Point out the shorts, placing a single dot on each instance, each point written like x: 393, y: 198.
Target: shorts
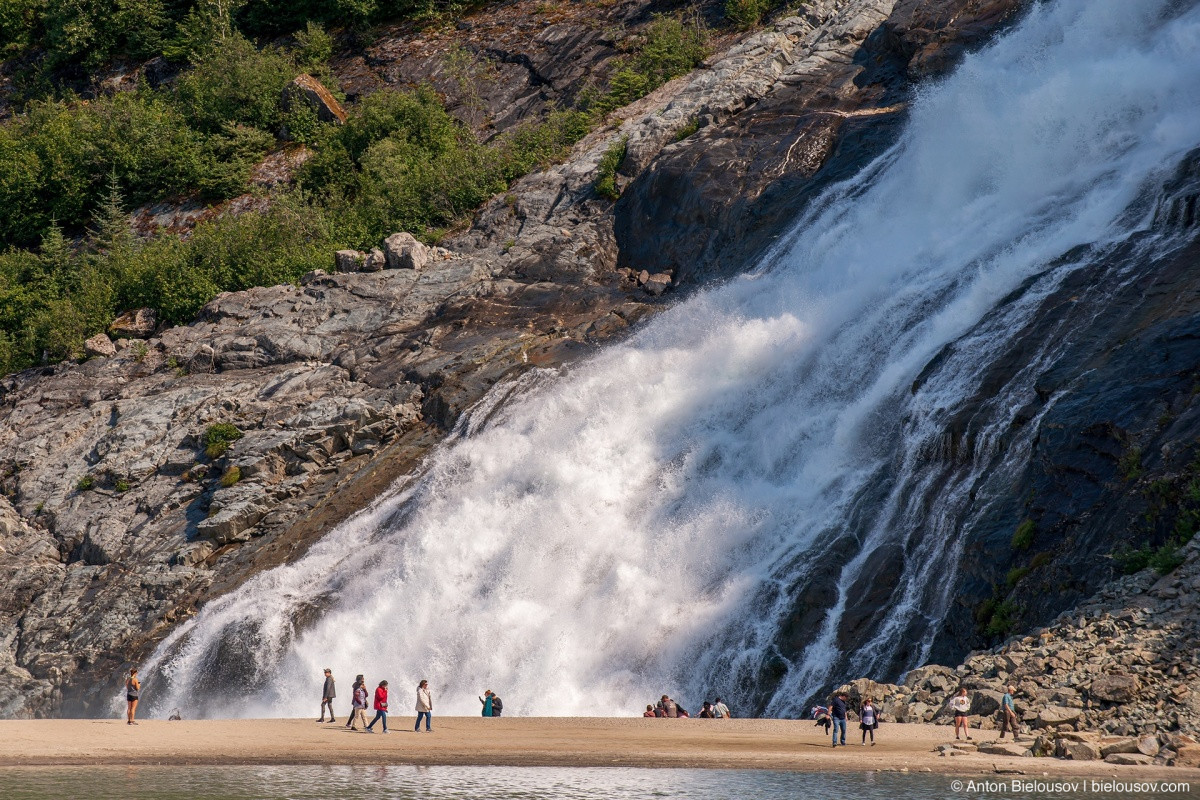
x: 131, y: 697
x: 959, y: 716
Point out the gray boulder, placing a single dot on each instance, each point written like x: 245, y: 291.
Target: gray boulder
x: 1115, y: 688
x: 100, y: 345
x: 136, y: 324
x: 403, y: 251
x: 348, y: 260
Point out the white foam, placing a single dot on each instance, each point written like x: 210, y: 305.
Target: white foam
x: 638, y: 523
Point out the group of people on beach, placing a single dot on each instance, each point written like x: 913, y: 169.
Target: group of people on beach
x: 833, y: 718
x: 358, y: 705
x: 493, y: 706
x: 960, y: 704
x: 666, y: 708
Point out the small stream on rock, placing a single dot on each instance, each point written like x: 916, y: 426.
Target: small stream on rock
x: 756, y: 494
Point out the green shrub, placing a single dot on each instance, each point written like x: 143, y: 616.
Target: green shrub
x: 1130, y: 463
x: 121, y: 485
x: 1015, y: 575
x: 218, y: 437
x: 667, y: 48
x: 231, y: 476
x: 86, y: 483
x: 1023, y: 537
x: 1040, y: 560
x: 1002, y: 619
x: 747, y: 13
x: 236, y: 83
x: 606, y: 174
x: 687, y: 130
x: 1166, y: 558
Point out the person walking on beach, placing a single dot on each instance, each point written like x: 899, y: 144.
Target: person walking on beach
x: 868, y: 720
x: 424, y: 706
x: 133, y: 690
x: 1008, y: 714
x: 327, y: 695
x: 720, y: 710
x: 960, y: 705
x: 487, y: 702
x: 358, y: 706
x: 837, y: 711
x: 381, y: 707
x: 497, y: 705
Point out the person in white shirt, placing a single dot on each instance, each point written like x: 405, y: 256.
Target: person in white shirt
x: 424, y: 706
x: 720, y: 710
x: 960, y: 704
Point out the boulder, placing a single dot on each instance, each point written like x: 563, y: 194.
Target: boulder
x: 985, y: 702
x: 920, y: 677
x: 403, y: 251
x: 348, y: 260
x: 100, y: 345
x: 1003, y: 749
x: 1078, y: 751
x: 310, y: 91
x: 374, y: 262
x: 1187, y: 755
x: 139, y: 323
x: 1128, y: 759
x: 1123, y: 744
x: 1148, y: 745
x: 657, y: 283
x: 1052, y: 716
x: 1114, y: 688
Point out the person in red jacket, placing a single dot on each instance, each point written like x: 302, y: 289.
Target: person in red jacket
x: 380, y: 707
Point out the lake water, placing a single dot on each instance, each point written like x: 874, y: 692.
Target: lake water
x: 534, y: 783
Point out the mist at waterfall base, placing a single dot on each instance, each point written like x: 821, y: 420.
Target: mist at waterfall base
x: 651, y: 520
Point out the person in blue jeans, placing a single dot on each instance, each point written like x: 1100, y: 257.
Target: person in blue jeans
x: 381, y: 707
x: 837, y: 710
x: 424, y: 705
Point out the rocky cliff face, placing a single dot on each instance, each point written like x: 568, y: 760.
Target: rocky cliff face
x: 119, y: 519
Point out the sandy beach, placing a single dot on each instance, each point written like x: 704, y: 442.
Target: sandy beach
x: 547, y: 741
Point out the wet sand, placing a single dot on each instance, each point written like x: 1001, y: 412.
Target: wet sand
x: 546, y: 741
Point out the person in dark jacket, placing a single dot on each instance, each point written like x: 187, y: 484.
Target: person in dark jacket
x: 868, y: 717
x: 837, y: 710
x: 327, y: 694
x: 497, y: 705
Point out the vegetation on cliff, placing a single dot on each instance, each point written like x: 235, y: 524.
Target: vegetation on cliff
x: 71, y: 168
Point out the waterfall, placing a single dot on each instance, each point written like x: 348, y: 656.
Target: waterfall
x: 754, y: 494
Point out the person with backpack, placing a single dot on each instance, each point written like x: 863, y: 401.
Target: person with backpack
x: 358, y: 706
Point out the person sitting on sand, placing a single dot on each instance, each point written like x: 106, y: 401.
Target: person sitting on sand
x: 668, y: 707
x: 681, y: 712
x: 720, y: 710
x: 960, y: 704
x: 706, y: 711
x: 868, y: 720
x: 649, y: 712
x: 133, y: 690
x: 487, y: 702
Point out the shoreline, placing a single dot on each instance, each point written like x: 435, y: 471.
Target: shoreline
x: 766, y: 744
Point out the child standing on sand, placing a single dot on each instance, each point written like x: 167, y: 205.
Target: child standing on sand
x: 133, y: 690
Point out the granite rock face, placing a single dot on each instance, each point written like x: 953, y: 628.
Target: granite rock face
x: 120, y: 516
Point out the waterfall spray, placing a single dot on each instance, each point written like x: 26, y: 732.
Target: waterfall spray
x: 707, y: 505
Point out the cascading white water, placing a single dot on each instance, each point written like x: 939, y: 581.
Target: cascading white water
x: 645, y: 522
